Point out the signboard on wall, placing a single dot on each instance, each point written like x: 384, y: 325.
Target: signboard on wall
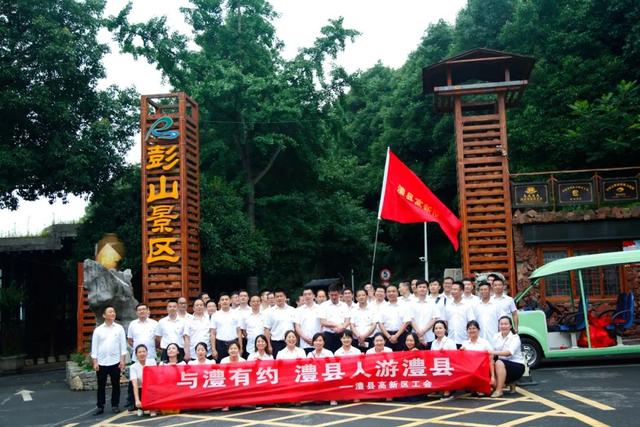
x: 530, y: 195
x: 619, y: 189
x: 575, y: 192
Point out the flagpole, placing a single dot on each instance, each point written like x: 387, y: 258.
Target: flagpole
x: 375, y: 245
x: 426, y: 259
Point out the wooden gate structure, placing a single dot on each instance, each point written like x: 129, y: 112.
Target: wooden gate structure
x: 478, y: 86
x: 170, y: 199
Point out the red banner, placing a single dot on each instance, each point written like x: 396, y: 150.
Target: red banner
x: 374, y: 376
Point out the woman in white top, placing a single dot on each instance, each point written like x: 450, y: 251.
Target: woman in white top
x: 291, y: 351
x: 234, y: 354
x: 442, y: 342
x: 135, y: 375
x: 201, y: 355
x: 347, y: 349
x: 378, y: 345
x: 262, y: 349
x: 319, y: 351
x: 173, y: 355
x: 411, y: 342
x: 477, y: 343
x: 510, y: 363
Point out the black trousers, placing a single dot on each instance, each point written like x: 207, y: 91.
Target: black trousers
x: 277, y: 346
x: 398, y: 346
x: 222, y: 347
x: 332, y: 341
x: 112, y: 372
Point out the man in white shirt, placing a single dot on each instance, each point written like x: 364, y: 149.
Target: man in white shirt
x: 169, y: 330
x: 379, y: 302
x: 241, y: 312
x: 424, y: 313
x: 506, y: 304
x: 468, y: 291
x: 347, y: 298
x: 457, y: 313
x: 334, y: 318
x: 363, y: 321
x: 278, y: 320
x: 196, y: 329
x: 404, y: 288
x: 435, y: 294
x: 224, y: 328
x: 235, y: 300
x: 142, y: 331
x: 393, y: 320
x: 183, y: 305
x: 108, y: 352
x: 252, y: 325
x: 447, y: 282
x: 486, y: 312
x: 307, y: 321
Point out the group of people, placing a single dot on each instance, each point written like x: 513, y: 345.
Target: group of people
x: 408, y: 316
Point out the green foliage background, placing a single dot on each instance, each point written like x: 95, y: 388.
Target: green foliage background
x: 293, y: 149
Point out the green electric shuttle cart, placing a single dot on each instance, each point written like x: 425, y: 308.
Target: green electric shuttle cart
x: 541, y: 342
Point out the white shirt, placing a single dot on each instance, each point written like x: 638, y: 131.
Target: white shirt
x: 511, y: 343
x: 372, y: 350
x: 337, y: 313
x: 352, y: 351
x: 279, y: 320
x: 253, y: 325
x: 506, y: 305
x: 324, y: 353
x: 472, y: 299
x: 393, y: 316
x: 170, y: 331
x: 286, y: 354
x: 108, y: 344
x: 445, y: 344
x: 169, y: 364
x: 198, y: 330
x: 422, y: 312
x: 308, y: 318
x: 206, y: 362
x: 143, y: 333
x: 480, y: 345
x: 227, y: 359
x: 135, y: 370
x: 225, y: 324
x: 487, y: 315
x: 241, y: 312
x: 257, y: 356
x: 457, y: 314
x: 362, y: 319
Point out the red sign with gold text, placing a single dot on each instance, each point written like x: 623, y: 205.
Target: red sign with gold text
x: 373, y: 376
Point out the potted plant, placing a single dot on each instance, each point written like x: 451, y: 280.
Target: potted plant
x: 11, y: 329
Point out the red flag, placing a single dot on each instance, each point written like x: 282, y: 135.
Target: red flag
x: 406, y: 199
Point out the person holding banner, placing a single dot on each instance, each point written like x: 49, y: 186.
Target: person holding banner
x: 412, y: 342
x: 173, y: 356
x: 378, y: 345
x: 477, y: 343
x: 347, y: 349
x: 510, y: 364
x: 319, y: 352
x: 442, y: 342
x: 135, y: 376
x: 234, y: 354
x: 261, y: 352
x: 291, y: 351
x: 201, y: 355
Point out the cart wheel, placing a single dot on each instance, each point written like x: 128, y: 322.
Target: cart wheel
x: 531, y: 352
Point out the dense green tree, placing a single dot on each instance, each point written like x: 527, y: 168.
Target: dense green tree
x: 60, y: 135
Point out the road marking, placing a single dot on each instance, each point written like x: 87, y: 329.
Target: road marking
x: 71, y: 425
x: 26, y: 395
x: 5, y: 401
x: 577, y: 415
x: 585, y: 400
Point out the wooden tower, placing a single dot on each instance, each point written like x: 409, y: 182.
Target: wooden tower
x: 170, y: 199
x: 478, y: 86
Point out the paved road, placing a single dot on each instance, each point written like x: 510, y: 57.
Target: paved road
x: 564, y: 394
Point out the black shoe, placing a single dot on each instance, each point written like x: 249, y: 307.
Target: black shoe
x: 115, y: 409
x: 98, y: 411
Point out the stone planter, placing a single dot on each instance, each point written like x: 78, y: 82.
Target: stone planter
x: 10, y: 364
x: 79, y: 379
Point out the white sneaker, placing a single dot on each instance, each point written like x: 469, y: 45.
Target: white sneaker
x: 140, y: 412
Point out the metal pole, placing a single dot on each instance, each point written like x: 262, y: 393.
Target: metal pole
x: 352, y: 283
x: 584, y: 308
x: 426, y: 259
x: 375, y: 245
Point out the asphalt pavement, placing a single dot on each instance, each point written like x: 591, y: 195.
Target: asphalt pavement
x: 566, y: 394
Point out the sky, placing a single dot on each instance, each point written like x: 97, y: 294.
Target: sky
x: 388, y: 34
